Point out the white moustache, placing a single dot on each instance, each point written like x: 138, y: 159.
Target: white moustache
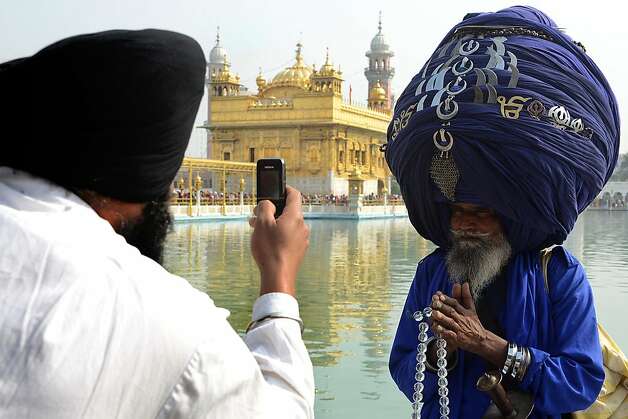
x: 458, y: 234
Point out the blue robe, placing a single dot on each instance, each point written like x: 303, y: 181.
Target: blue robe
x: 559, y: 328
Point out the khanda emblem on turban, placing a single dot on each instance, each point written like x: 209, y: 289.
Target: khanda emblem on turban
x: 512, y: 108
x: 557, y: 115
x: 536, y: 109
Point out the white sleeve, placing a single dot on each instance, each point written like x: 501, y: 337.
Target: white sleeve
x: 268, y: 375
x: 279, y: 350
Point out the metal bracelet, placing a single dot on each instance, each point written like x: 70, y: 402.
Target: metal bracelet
x: 254, y: 323
x: 512, y: 350
x: 524, y: 365
x: 518, y: 359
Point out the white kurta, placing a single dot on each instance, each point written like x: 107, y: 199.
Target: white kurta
x: 90, y: 328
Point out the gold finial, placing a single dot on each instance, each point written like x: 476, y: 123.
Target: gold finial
x: 260, y: 81
x: 217, y: 35
x: 198, y: 182
x: 327, y: 56
x: 379, y: 26
x: 299, y: 57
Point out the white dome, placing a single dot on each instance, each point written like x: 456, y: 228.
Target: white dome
x: 217, y: 55
x: 378, y: 44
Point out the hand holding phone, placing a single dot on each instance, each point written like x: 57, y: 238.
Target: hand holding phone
x: 271, y: 183
x: 279, y: 245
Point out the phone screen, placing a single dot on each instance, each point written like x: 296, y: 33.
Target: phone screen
x: 269, y: 184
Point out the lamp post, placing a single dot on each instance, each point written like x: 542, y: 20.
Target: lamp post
x: 190, y: 190
x: 223, y: 188
x: 385, y: 193
x: 180, y: 184
x: 242, y: 184
x: 198, y: 185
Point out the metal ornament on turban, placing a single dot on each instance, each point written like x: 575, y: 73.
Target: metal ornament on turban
x: 511, y: 114
x: 111, y: 111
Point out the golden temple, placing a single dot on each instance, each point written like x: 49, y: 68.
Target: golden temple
x: 330, y: 145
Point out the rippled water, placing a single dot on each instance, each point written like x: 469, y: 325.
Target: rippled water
x: 352, y: 287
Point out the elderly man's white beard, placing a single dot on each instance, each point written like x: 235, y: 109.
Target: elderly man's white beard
x: 477, y: 258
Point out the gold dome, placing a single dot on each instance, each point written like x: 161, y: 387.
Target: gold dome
x: 327, y: 69
x: 296, y: 76
x: 377, y: 93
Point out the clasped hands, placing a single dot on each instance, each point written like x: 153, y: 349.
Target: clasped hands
x: 455, y: 319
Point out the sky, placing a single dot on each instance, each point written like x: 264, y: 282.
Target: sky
x: 258, y: 34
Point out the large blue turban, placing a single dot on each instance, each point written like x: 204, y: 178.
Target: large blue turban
x: 508, y: 113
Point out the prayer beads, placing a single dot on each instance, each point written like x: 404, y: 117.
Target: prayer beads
x: 419, y: 376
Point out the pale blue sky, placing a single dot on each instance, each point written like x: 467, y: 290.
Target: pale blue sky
x: 263, y: 34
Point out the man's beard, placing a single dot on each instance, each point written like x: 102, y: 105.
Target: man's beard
x: 477, y: 258
x: 148, y: 233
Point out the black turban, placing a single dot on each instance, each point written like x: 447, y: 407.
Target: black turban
x: 110, y: 112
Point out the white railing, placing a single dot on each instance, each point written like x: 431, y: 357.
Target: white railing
x: 353, y: 207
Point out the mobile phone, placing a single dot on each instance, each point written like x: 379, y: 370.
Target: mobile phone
x: 271, y: 182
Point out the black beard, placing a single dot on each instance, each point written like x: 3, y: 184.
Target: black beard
x: 148, y: 233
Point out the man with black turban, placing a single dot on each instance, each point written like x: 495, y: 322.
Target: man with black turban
x: 95, y: 128
x: 505, y: 135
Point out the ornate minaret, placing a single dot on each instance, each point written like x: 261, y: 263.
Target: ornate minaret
x: 379, y: 69
x: 220, y: 81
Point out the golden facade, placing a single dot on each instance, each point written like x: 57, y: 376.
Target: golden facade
x: 329, y: 144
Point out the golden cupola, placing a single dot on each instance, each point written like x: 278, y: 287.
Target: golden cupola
x: 260, y: 81
x: 327, y: 69
x: 291, y: 80
x: 222, y: 82
x: 327, y: 79
x: 377, y: 97
x: 377, y: 92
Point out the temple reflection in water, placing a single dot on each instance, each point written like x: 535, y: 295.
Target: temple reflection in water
x: 344, y: 284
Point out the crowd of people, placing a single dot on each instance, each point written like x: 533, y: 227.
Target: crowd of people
x: 608, y: 202
x: 331, y: 199
x: 210, y: 197
x: 317, y: 199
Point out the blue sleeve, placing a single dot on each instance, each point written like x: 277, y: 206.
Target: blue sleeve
x: 402, y: 361
x: 568, y: 377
